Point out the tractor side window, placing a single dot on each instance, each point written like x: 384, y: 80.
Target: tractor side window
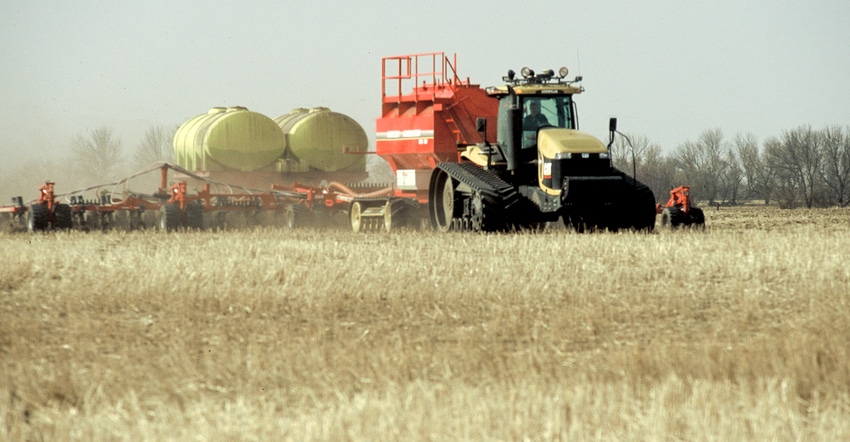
x: 535, y: 112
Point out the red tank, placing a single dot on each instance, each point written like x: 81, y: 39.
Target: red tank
x: 427, y: 111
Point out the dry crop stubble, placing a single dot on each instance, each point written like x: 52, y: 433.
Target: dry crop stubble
x: 264, y: 334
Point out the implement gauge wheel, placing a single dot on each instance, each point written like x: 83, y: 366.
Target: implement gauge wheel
x: 194, y: 214
x: 38, y: 217
x: 296, y: 216
x: 671, y: 218
x: 62, y: 217
x: 169, y: 217
x: 354, y: 215
x: 696, y: 218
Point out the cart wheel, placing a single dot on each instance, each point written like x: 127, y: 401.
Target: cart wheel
x: 356, y: 220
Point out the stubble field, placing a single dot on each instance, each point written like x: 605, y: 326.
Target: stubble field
x: 741, y: 332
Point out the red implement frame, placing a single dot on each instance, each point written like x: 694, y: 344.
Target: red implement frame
x: 679, y: 197
x: 335, y: 196
x: 427, y: 113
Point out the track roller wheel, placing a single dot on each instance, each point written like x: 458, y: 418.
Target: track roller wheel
x: 38, y: 217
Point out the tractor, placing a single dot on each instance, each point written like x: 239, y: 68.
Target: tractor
x: 502, y: 158
x: 541, y: 168
x: 679, y: 211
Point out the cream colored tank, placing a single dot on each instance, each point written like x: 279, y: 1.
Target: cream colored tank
x: 323, y: 139
x: 231, y: 138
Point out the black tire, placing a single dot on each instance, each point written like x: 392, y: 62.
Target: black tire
x: 169, y: 217
x: 671, y: 218
x: 38, y: 218
x: 296, y: 216
x: 62, y: 217
x: 194, y: 216
x: 696, y: 218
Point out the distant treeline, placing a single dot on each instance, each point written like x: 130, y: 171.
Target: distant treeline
x: 802, y: 167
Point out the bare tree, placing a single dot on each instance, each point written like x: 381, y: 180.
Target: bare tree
x: 98, y: 155
x: 785, y: 190
x: 702, y: 164
x: 155, y: 147
x: 658, y: 172
x: 759, y: 177
x: 647, y: 160
x: 25, y: 180
x: 731, y: 176
x: 797, y: 159
x: 835, y: 170
x: 628, y: 157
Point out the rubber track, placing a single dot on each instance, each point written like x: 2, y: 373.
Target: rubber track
x: 644, y: 200
x: 495, y: 191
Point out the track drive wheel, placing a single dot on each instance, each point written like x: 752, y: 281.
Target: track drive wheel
x: 169, y: 217
x: 38, y: 217
x: 442, y: 202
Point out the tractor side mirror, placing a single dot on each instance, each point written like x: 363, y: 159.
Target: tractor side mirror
x: 612, y: 124
x: 481, y: 124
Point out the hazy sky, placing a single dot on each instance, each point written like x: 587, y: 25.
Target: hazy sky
x: 667, y: 69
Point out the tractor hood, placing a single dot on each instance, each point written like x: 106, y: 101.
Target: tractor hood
x: 554, y: 141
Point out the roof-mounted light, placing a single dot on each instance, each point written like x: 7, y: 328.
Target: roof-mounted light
x: 510, y: 76
x: 563, y: 72
x: 526, y: 72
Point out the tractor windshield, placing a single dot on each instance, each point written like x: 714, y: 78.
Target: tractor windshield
x: 545, y: 111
